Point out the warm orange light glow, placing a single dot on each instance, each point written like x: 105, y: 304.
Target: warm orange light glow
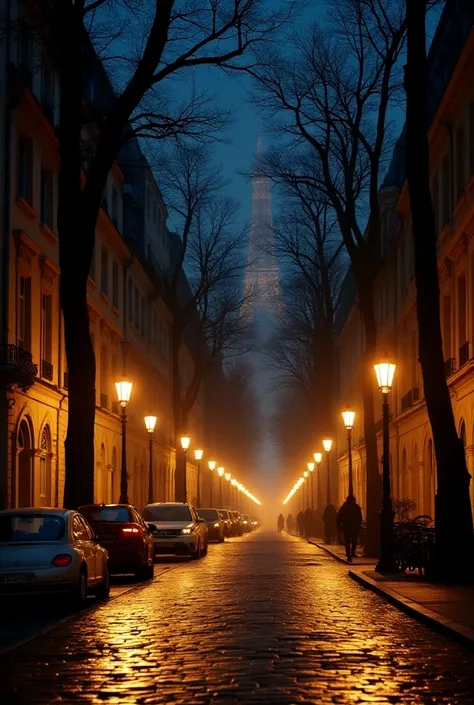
x: 185, y: 441
x: 220, y: 471
x: 124, y: 392
x: 212, y: 465
x: 227, y: 476
x: 327, y: 444
x: 385, y: 372
x: 150, y: 423
x: 348, y: 416
x: 310, y: 466
x: 318, y: 457
x: 198, y: 453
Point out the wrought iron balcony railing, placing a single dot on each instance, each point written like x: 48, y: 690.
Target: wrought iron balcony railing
x: 464, y: 354
x: 17, y: 367
x: 104, y: 401
x: 450, y: 366
x: 47, y: 370
x: 410, y: 398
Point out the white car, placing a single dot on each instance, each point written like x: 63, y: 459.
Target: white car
x: 176, y: 529
x: 51, y: 551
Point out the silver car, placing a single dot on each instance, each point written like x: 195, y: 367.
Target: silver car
x: 176, y: 529
x: 51, y: 551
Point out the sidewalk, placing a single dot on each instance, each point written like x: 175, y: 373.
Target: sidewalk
x: 447, y: 608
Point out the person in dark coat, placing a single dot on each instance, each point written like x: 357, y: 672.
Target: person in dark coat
x: 329, y: 519
x: 290, y: 523
x: 308, y: 522
x: 280, y: 523
x: 349, y: 519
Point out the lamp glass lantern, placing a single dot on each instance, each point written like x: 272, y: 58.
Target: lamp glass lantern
x: 385, y: 372
x: 227, y: 476
x: 150, y: 423
x: 327, y: 444
x: 306, y: 474
x: 198, y: 453
x: 310, y: 466
x: 212, y: 464
x: 348, y: 416
x: 318, y: 457
x: 124, y: 392
x: 220, y: 471
x: 185, y: 442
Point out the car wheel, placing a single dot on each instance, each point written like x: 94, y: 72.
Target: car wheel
x: 103, y: 591
x: 204, y: 550
x: 79, y: 594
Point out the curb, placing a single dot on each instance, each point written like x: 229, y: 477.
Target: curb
x: 448, y: 627
x: 328, y: 550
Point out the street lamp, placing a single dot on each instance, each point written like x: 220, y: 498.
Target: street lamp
x: 306, y: 475
x: 317, y: 459
x: 220, y: 472
x: 212, y: 466
x: 185, y: 441
x: 227, y: 477
x: 310, y: 467
x: 385, y: 372
x: 327, y: 445
x: 150, y: 423
x: 198, y: 453
x: 124, y: 392
x: 234, y: 484
x: 348, y: 416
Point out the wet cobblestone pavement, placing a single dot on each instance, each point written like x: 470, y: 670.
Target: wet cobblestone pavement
x: 265, y: 619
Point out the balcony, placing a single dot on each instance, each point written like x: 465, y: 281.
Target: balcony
x: 410, y: 398
x: 47, y: 370
x: 104, y: 401
x: 66, y: 380
x: 450, y: 366
x: 464, y: 354
x: 17, y: 367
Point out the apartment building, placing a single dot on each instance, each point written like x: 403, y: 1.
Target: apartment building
x: 451, y: 140
x: 129, y: 320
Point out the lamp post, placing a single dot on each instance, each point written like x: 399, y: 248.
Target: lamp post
x: 348, y: 416
x: 385, y: 372
x: 220, y: 472
x: 227, y: 477
x: 317, y: 459
x: 327, y: 444
x: 124, y: 392
x: 185, y: 441
x: 306, y: 475
x: 150, y: 423
x: 311, y: 469
x: 198, y: 453
x: 212, y: 466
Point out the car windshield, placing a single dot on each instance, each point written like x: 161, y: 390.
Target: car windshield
x: 31, y: 527
x: 210, y: 514
x: 163, y: 512
x: 106, y: 513
x: 223, y: 513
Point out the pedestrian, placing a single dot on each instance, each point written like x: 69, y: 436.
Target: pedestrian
x: 290, y: 523
x: 280, y: 522
x: 308, y: 522
x: 329, y: 519
x: 349, y: 518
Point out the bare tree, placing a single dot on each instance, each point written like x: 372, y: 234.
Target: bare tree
x: 203, y: 286
x: 333, y: 93
x: 454, y: 531
x: 143, y: 45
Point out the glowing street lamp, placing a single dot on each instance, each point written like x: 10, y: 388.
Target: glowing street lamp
x: 198, y: 453
x: 385, y: 371
x: 150, y: 423
x: 348, y: 417
x: 327, y: 445
x: 212, y: 466
x: 124, y: 392
x: 227, y: 477
x: 310, y: 467
x: 220, y: 472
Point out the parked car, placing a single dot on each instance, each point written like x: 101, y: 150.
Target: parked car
x: 237, y: 528
x: 176, y: 529
x: 128, y: 540
x: 51, y: 551
x: 225, y: 516
x: 215, y: 525
x: 247, y: 525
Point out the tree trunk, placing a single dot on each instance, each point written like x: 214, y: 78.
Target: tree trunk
x: 373, y: 481
x: 454, y: 530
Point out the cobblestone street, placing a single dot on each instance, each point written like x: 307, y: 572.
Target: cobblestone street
x: 263, y: 619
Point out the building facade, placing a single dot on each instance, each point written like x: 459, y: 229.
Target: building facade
x: 451, y: 140
x: 129, y: 320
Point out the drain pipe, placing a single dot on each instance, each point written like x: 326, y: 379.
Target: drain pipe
x: 5, y: 263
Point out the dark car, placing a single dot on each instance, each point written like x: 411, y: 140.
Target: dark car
x: 226, y: 518
x: 237, y: 528
x: 121, y: 530
x: 215, y: 524
x: 247, y: 524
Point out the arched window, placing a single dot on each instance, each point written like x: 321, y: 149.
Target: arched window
x: 24, y: 495
x: 462, y: 433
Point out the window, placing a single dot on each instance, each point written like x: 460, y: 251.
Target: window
x: 25, y: 170
x: 460, y: 177
x: 446, y: 191
x: 130, y: 300
x: 104, y: 271
x: 46, y: 328
x: 115, y: 284
x: 47, y: 198
x: 24, y: 314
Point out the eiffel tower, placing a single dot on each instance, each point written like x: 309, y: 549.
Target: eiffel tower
x: 262, y: 289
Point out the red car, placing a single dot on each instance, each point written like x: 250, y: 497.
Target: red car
x: 121, y: 530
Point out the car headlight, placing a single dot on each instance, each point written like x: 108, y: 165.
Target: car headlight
x: 186, y: 531
x: 216, y: 525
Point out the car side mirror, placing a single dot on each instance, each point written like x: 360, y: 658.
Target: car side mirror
x: 151, y: 527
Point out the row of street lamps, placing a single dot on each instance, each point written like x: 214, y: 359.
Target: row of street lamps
x: 385, y: 372
x: 124, y: 392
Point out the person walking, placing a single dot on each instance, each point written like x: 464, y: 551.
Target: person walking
x: 280, y: 523
x: 290, y: 523
x: 349, y: 518
x: 329, y: 519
